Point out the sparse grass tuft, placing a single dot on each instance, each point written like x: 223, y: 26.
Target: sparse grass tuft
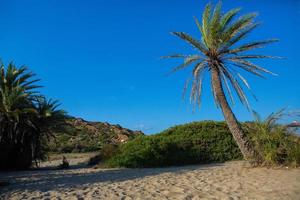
x: 275, y: 144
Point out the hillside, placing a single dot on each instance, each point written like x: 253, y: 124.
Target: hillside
x: 78, y: 135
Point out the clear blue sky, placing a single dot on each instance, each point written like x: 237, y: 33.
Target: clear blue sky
x: 101, y: 59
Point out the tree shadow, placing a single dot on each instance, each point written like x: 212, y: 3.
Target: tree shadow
x: 48, y: 179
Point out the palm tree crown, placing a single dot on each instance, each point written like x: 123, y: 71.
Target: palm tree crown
x: 218, y: 49
x: 16, y: 91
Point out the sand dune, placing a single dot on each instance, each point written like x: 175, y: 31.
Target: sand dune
x: 231, y: 180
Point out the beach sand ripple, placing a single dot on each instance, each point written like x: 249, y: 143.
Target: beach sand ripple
x: 232, y: 180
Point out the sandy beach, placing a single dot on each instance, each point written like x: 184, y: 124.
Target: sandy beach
x: 232, y: 180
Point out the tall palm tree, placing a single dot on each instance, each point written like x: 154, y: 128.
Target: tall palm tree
x: 219, y: 54
x: 16, y: 94
x: 26, y: 117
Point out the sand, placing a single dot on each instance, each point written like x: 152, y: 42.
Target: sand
x: 232, y: 180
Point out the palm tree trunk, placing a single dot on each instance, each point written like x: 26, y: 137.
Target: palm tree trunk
x: 230, y: 118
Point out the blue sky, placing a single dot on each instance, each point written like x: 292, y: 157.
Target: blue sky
x: 101, y: 59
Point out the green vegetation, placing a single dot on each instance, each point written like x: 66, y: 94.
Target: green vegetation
x: 198, y: 142
x: 205, y: 142
x: 275, y: 144
x: 73, y: 140
x: 219, y: 55
x: 79, y: 136
x: 27, y: 119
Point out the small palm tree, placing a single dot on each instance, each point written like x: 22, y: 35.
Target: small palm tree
x: 48, y: 120
x: 219, y: 55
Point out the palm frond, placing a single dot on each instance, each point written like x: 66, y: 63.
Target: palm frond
x: 253, y: 57
x: 236, y: 86
x: 205, y: 24
x: 224, y: 78
x: 197, y: 77
x: 187, y: 61
x: 174, y: 56
x: 240, y: 35
x: 236, y: 27
x: 248, y: 69
x: 249, y: 46
x: 196, y: 89
x: 251, y: 65
x: 215, y: 26
x: 228, y: 17
x: 195, y: 43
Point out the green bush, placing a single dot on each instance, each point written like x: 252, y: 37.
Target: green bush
x: 198, y: 142
x: 209, y: 141
x: 275, y: 144
x: 277, y: 147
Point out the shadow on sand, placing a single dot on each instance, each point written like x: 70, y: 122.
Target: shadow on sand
x: 46, y: 179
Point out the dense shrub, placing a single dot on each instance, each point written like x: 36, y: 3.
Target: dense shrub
x: 198, y: 142
x: 209, y: 141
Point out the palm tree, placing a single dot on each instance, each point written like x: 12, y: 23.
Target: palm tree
x: 16, y: 94
x: 219, y: 54
x: 26, y: 118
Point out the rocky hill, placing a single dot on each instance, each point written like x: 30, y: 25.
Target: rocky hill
x: 79, y: 135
